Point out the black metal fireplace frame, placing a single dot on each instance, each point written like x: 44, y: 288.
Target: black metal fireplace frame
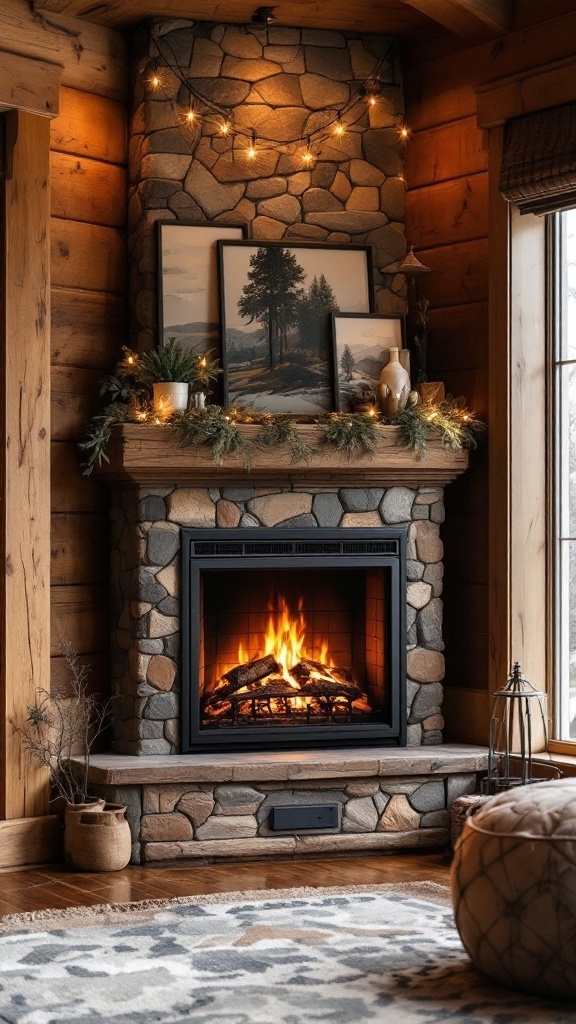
x: 203, y: 550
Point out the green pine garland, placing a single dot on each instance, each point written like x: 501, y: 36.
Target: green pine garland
x: 450, y: 421
x: 350, y: 432
x: 213, y: 427
x: 280, y: 430
x: 98, y: 434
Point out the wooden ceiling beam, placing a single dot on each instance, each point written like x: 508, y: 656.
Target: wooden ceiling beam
x: 469, y: 19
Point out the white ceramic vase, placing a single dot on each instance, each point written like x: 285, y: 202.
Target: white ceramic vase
x: 394, y: 385
x: 169, y: 397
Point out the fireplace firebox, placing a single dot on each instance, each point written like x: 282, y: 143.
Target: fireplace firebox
x: 296, y: 640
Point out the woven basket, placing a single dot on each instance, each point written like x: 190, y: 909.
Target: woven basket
x: 101, y: 840
x: 71, y: 818
x: 461, y: 808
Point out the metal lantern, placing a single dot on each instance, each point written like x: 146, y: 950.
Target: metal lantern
x: 517, y: 731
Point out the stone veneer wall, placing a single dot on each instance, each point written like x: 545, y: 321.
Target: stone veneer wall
x: 146, y: 577
x: 227, y: 819
x: 278, y: 82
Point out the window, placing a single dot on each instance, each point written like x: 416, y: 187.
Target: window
x: 564, y: 442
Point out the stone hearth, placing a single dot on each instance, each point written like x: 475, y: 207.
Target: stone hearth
x: 218, y: 805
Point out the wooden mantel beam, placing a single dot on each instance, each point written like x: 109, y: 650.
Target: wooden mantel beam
x: 473, y: 20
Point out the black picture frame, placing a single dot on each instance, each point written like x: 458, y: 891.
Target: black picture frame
x: 288, y: 368
x: 204, y: 271
x: 369, y: 361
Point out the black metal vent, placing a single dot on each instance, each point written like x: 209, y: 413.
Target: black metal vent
x: 214, y: 549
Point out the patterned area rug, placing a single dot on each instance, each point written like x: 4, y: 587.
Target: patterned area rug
x: 298, y: 956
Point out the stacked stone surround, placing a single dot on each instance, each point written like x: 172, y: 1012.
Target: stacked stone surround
x: 146, y: 598
x: 284, y: 83
x: 228, y: 819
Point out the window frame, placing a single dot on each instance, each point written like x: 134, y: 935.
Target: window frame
x: 555, y: 249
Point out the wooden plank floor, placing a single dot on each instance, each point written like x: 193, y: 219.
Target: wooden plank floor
x: 52, y: 887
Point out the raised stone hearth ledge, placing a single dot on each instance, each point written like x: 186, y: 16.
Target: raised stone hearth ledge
x: 353, y: 762
x: 206, y: 806
x: 143, y: 454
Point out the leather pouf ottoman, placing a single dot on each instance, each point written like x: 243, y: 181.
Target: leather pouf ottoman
x: 514, y: 888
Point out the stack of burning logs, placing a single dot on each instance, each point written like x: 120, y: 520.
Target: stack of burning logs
x: 259, y: 688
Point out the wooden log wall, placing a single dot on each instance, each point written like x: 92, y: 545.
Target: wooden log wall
x: 88, y: 247
x: 448, y: 223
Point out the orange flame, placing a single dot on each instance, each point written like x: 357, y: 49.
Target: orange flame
x: 285, y: 639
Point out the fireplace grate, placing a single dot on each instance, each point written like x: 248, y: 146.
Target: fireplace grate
x: 215, y: 549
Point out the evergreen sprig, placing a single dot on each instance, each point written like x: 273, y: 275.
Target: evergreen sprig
x: 98, y: 434
x: 350, y: 433
x: 213, y: 427
x: 280, y: 430
x: 450, y: 421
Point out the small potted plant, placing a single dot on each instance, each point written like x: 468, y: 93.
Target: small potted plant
x: 148, y: 387
x: 169, y: 371
x: 63, y: 724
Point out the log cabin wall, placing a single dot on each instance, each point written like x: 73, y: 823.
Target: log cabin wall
x: 88, y: 277
x: 447, y: 220
x: 86, y: 266
x: 88, y: 192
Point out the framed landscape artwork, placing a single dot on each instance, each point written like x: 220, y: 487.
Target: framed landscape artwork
x: 361, y: 345
x: 277, y: 301
x: 188, y: 282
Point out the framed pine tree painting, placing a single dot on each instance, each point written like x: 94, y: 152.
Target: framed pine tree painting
x: 276, y: 301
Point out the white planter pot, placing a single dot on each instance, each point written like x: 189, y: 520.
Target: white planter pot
x: 170, y: 397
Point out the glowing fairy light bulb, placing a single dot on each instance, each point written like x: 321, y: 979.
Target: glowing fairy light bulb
x: 307, y: 155
x: 403, y: 133
x: 190, y: 116
x: 251, y: 152
x: 154, y: 76
x: 225, y: 128
x: 339, y: 129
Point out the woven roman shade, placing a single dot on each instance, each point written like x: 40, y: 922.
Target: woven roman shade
x: 539, y: 160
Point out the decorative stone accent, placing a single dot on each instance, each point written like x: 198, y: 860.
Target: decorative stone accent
x: 360, y: 815
x: 158, y: 828
x: 398, y: 816
x: 419, y: 594
x: 242, y: 826
x: 275, y: 508
x: 356, y: 500
x: 227, y: 514
x: 197, y: 806
x: 429, y: 547
x: 397, y: 505
x: 361, y: 519
x: 425, y: 666
x: 280, y: 87
x: 161, y: 672
x: 191, y: 506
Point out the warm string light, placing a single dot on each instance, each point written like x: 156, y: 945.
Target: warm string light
x: 369, y: 92
x: 307, y: 155
x: 252, y: 152
x: 339, y: 129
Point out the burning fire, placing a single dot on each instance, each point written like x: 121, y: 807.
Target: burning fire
x: 285, y: 640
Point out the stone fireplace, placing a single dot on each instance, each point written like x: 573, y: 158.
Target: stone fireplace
x: 361, y: 538
x: 343, y: 720
x: 148, y: 524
